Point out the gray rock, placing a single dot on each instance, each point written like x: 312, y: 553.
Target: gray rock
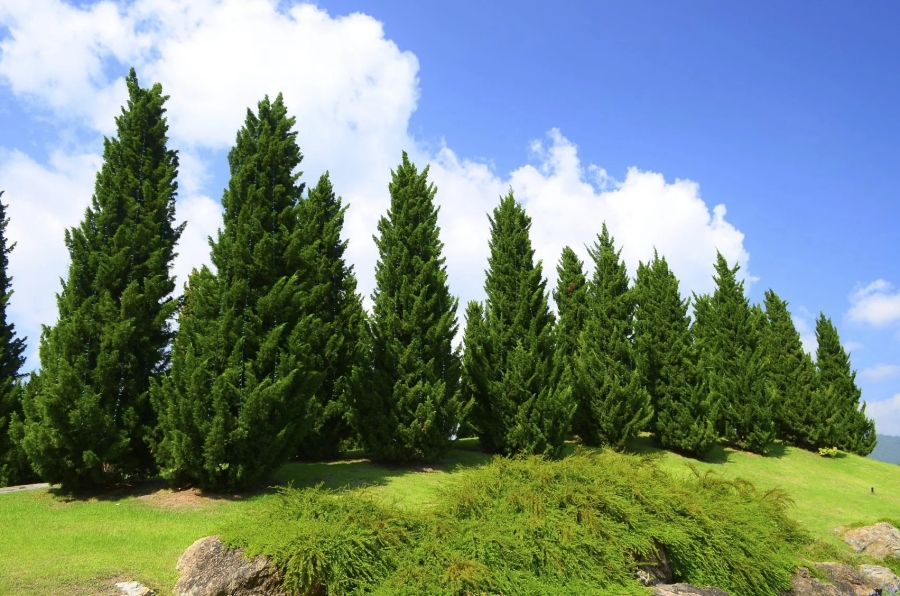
x: 847, y: 580
x: 880, y: 541
x: 209, y: 569
x: 656, y: 570
x: 802, y: 584
x: 134, y: 589
x: 686, y: 590
x: 881, y: 578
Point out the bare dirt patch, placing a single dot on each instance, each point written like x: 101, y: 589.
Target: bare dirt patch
x: 176, y: 499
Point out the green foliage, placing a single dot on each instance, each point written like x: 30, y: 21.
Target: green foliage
x: 412, y: 405
x: 612, y: 405
x: 511, y: 378
x: 87, y: 412
x: 14, y: 467
x: 571, y: 297
x: 850, y: 429
x: 790, y: 372
x: 582, y: 525
x: 337, y: 321
x: 729, y: 334
x: 668, y: 364
x: 236, y: 403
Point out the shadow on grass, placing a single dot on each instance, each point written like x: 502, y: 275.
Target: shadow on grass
x: 355, y: 470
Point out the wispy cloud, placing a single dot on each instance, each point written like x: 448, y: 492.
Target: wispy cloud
x: 880, y: 372
x: 877, y: 304
x: 886, y: 414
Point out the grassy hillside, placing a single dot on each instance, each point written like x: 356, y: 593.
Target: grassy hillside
x: 51, y: 545
x: 887, y: 449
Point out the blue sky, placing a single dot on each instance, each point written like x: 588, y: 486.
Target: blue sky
x: 647, y: 115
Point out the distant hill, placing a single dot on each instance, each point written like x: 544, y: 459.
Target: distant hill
x: 887, y: 449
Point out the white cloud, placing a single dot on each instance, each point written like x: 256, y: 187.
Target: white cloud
x: 353, y: 92
x: 41, y: 203
x: 877, y: 304
x: 880, y: 372
x: 886, y: 414
x: 807, y: 332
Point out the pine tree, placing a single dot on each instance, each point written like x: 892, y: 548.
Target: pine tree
x: 667, y: 362
x: 730, y: 334
x: 850, y: 429
x: 87, y: 412
x: 519, y: 406
x: 788, y: 371
x: 238, y: 400
x: 570, y: 296
x: 337, y: 323
x: 613, y: 407
x: 413, y: 404
x: 14, y: 467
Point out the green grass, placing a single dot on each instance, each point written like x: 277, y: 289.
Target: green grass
x: 49, y: 545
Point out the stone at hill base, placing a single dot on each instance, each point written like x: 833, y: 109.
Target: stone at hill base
x: 802, y: 584
x: 209, y: 569
x: 134, y: 589
x: 686, y: 590
x: 847, y: 580
x: 881, y: 578
x: 880, y: 541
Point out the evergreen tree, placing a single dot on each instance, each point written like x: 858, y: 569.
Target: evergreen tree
x: 14, y: 467
x: 87, y: 412
x: 337, y: 322
x: 413, y: 404
x: 518, y: 402
x: 668, y: 364
x: 730, y: 334
x: 570, y: 296
x: 850, y: 429
x: 613, y: 406
x: 788, y: 372
x: 238, y: 400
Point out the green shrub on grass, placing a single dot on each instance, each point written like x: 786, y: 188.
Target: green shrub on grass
x: 530, y: 526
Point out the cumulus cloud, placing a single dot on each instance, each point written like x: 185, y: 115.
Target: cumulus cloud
x: 353, y: 92
x: 886, y: 414
x: 877, y: 304
x: 880, y: 372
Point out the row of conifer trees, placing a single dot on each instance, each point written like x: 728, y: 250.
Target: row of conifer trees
x: 274, y: 356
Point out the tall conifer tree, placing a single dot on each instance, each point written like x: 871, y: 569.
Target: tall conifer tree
x: 338, y: 319
x: 613, y: 406
x: 87, y: 412
x: 14, y: 467
x: 237, y: 402
x: 668, y: 364
x: 570, y: 296
x: 788, y: 372
x: 510, y: 376
x: 413, y: 403
x: 730, y: 334
x: 849, y: 428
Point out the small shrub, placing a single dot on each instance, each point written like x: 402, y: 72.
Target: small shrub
x: 828, y: 451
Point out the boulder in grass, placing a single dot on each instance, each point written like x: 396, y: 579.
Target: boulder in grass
x: 803, y: 584
x: 134, y: 589
x: 686, y: 590
x: 879, y: 541
x: 881, y: 578
x: 209, y: 569
x: 847, y: 580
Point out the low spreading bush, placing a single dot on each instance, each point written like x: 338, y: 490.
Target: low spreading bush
x: 582, y: 525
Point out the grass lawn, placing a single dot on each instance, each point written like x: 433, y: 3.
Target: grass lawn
x: 51, y: 545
